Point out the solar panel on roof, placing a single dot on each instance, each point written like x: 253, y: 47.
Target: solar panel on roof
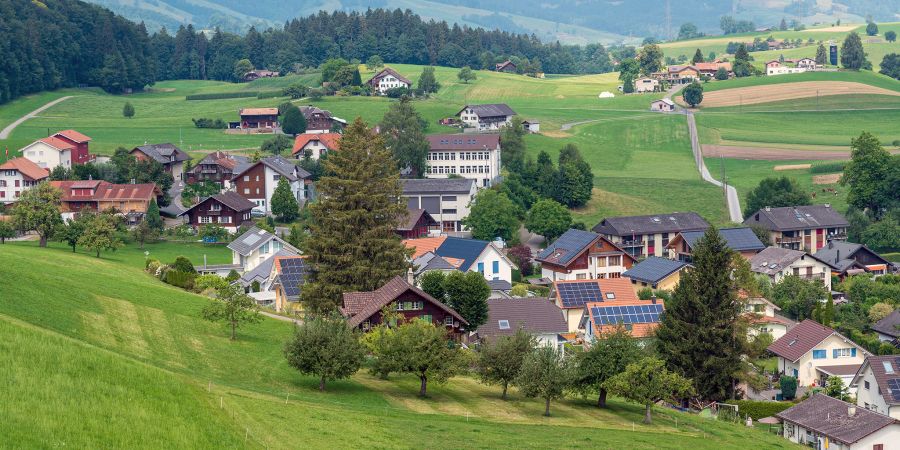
x: 577, y: 294
x: 630, y: 314
x: 252, y: 239
x: 894, y: 387
x: 293, y: 273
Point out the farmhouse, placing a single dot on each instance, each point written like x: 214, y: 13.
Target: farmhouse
x: 824, y: 422
x: 801, y: 227
x: 764, y: 318
x: 775, y: 67
x: 538, y: 317
x: 473, y: 156
x: 639, y: 317
x: 257, y: 74
x: 257, y: 182
x: 679, y: 75
x: 66, y: 148
x: 16, y: 176
x: 648, y: 235
x: 171, y: 157
x: 130, y: 200
x: 888, y: 328
x: 581, y: 255
x: 320, y: 120
x: 315, y: 145
x: 217, y: 167
x: 739, y: 239
x: 777, y: 263
x: 662, y: 105
x: 81, y: 154
x: 656, y: 273
x: 848, y: 258
x: 877, y: 385
x: 254, y: 247
x: 646, y: 84
x: 227, y: 210
x: 258, y: 118
x: 446, y: 200
x: 466, y: 255
x: 811, y: 352
x: 709, y: 69
x: 573, y: 296
x: 415, y: 224
x: 363, y: 309
x: 386, y: 80
x: 506, y: 66
x: 486, y: 117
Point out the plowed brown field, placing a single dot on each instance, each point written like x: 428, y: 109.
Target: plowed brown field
x: 787, y: 91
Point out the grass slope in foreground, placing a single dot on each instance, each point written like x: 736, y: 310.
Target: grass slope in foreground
x: 130, y: 345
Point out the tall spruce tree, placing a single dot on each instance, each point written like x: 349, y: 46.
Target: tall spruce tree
x: 698, y: 336
x: 355, y: 248
x: 403, y: 131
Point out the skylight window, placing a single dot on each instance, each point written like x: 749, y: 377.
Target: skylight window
x: 503, y: 324
x: 888, y: 368
x: 611, y: 295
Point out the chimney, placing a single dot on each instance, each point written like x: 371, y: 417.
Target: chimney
x: 838, y: 256
x: 768, y: 208
x: 410, y: 278
x: 828, y: 205
x: 851, y: 410
x: 653, y: 299
x: 830, y: 244
x: 133, y: 181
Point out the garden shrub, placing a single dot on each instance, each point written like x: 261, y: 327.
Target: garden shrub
x: 759, y: 409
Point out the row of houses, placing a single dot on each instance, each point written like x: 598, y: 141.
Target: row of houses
x: 790, y: 66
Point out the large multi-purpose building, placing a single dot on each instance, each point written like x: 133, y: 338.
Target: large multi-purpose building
x: 648, y: 235
x: 486, y: 117
x: 473, y: 156
x: 446, y: 200
x: 801, y: 227
x: 582, y: 255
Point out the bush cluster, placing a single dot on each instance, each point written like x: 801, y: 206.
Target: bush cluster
x: 759, y: 409
x: 204, y: 122
x: 222, y: 95
x: 828, y: 167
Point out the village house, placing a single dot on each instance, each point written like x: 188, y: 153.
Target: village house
x: 473, y: 156
x: 777, y: 263
x: 776, y: 67
x: 257, y: 74
x: 656, y: 273
x: 16, y: 176
x: 81, y: 153
x: 258, y: 118
x: 446, y: 200
x: 431, y: 262
x: 227, y: 210
x: 848, y: 258
x: 506, y: 66
x: 764, y: 318
x: 363, y: 309
x: 740, y: 239
x: 171, y: 157
x: 257, y: 182
x: 49, y: 152
x: 581, y: 255
x: 801, y: 227
x: 824, y: 422
x: 648, y: 235
x: 320, y: 120
x: 254, y: 247
x: 662, y: 105
x: 646, y: 84
x: 639, y: 317
x: 386, y: 80
x: 811, y: 352
x: 532, y: 126
x: 466, y: 255
x: 218, y: 167
x: 260, y: 281
x: 877, y: 385
x: 129, y: 200
x: 288, y: 275
x: 888, y: 328
x: 539, y: 317
x: 315, y: 145
x: 486, y: 117
x: 709, y: 69
x: 415, y: 224
x: 573, y: 296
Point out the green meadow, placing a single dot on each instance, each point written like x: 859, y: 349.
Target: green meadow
x: 101, y: 354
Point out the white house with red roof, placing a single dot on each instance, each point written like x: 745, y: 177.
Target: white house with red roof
x: 16, y: 176
x: 315, y: 144
x: 812, y: 352
x: 388, y: 79
x: 65, y: 148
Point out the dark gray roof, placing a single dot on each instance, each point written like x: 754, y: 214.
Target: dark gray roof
x: 830, y: 417
x: 437, y: 186
x: 888, y: 325
x: 651, y: 224
x: 567, y: 246
x: 840, y: 254
x: 253, y: 239
x: 654, y: 269
x: 738, y: 239
x: 163, y: 153
x: 774, y: 259
x: 886, y: 369
x: 230, y: 199
x: 490, y: 110
x: 790, y: 218
x: 499, y: 285
x: 429, y: 261
x: 261, y: 272
x: 279, y: 164
x: 468, y: 250
x: 534, y: 315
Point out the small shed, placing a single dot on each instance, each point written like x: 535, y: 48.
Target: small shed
x: 531, y: 125
x: 663, y: 104
x: 506, y: 66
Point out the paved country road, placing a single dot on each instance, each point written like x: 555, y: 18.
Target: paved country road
x: 9, y: 129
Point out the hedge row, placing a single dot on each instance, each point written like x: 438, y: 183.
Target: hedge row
x: 759, y: 409
x: 222, y: 95
x: 270, y: 94
x: 828, y: 167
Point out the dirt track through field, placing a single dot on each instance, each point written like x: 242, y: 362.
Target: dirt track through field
x: 774, y: 153
x: 787, y: 91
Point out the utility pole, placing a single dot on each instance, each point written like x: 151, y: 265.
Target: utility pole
x: 668, y: 20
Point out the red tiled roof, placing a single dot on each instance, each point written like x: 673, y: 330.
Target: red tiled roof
x: 359, y: 306
x: 57, y: 143
x: 422, y: 246
x: 27, y: 168
x: 800, y: 340
x: 73, y: 136
x: 105, y: 191
x: 330, y: 140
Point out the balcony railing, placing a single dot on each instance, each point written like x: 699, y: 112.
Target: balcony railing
x: 812, y: 276
x: 632, y: 244
x: 789, y: 239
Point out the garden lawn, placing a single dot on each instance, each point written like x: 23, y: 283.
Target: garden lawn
x: 165, y: 251
x: 103, y: 340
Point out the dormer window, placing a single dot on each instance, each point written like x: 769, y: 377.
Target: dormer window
x: 503, y: 324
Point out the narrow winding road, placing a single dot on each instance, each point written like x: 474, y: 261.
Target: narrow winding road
x: 4, y: 134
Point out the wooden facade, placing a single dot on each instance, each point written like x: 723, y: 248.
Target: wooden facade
x: 218, y: 211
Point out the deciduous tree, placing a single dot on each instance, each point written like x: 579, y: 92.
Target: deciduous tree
x: 548, y: 218
x: 277, y: 144
x: 797, y: 297
x: 609, y: 355
x: 467, y: 293
x: 890, y: 66
x: 500, y: 359
x: 866, y: 173
x: 233, y: 307
x: 853, y: 56
x: 492, y: 215
x: 142, y: 233
x: 546, y: 373
x: 241, y: 68
x: 7, y: 231
x: 416, y: 347
x: 427, y: 82
x: 403, y: 130
x: 776, y: 192
x: 512, y: 145
x: 432, y: 282
x: 374, y: 62
x: 293, y: 121
x: 650, y: 59
x: 128, y: 110
x: 38, y: 210
x: 693, y: 94
x: 325, y: 347
x: 100, y: 234
x: 646, y: 382
x: 890, y: 36
x: 872, y: 29
x: 466, y: 74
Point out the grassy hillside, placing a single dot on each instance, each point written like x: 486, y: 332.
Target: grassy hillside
x: 101, y: 339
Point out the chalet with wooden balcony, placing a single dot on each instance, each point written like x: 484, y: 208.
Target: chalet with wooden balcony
x: 739, y: 239
x: 806, y: 228
x: 227, y: 210
x: 171, y: 157
x: 777, y: 263
x: 258, y: 118
x: 848, y: 258
x: 642, y: 236
x: 581, y: 255
x: 218, y: 167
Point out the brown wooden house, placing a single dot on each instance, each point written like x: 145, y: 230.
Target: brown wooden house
x: 218, y: 167
x: 415, y: 224
x: 227, y: 210
x: 320, y: 120
x: 506, y: 66
x: 363, y: 309
x: 256, y: 118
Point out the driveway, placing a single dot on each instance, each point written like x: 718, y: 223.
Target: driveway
x: 4, y: 134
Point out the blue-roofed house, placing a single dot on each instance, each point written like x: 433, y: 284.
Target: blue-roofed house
x: 583, y: 255
x: 467, y: 255
x: 656, y: 273
x: 740, y: 239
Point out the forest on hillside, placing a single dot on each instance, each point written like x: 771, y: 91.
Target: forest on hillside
x: 67, y: 43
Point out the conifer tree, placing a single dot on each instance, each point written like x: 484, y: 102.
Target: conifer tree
x: 355, y: 248
x: 853, y: 56
x: 284, y: 204
x: 698, y: 57
x: 698, y: 336
x: 152, y: 217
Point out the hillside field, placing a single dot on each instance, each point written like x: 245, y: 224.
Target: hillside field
x: 84, y: 337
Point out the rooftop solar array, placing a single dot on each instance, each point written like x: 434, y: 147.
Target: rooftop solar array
x: 577, y: 294
x: 611, y: 315
x: 293, y: 272
x: 894, y: 387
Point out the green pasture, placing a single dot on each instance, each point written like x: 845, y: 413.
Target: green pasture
x: 863, y: 76
x: 165, y: 251
x: 103, y: 354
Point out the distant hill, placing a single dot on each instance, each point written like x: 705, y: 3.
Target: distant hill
x: 569, y: 21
